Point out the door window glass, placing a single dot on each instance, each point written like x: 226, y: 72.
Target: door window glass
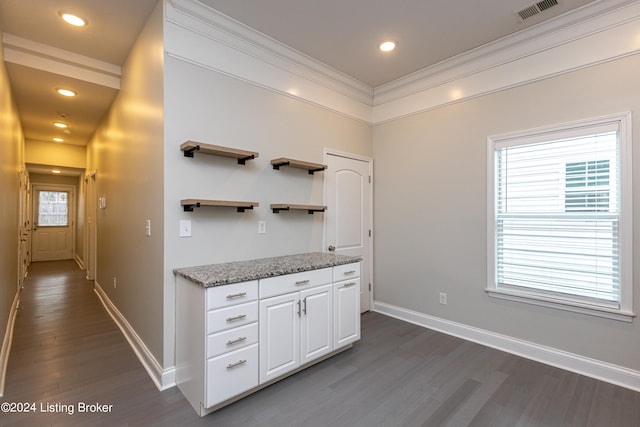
x: 53, y: 208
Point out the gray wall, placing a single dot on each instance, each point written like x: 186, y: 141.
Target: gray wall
x: 126, y: 152
x: 430, y: 209
x: 209, y: 107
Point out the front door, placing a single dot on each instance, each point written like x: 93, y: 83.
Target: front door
x: 53, y: 208
x: 348, y: 216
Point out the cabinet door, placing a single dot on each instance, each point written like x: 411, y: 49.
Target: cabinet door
x: 279, y: 335
x: 316, y: 327
x: 347, y: 312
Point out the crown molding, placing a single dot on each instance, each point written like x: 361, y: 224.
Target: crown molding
x: 43, y: 57
x: 203, y: 36
x: 599, y: 32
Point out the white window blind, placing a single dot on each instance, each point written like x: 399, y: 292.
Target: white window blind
x: 556, y: 219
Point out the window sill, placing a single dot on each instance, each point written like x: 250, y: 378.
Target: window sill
x: 575, y: 307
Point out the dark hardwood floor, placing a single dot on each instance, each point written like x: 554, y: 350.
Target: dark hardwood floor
x: 67, y: 351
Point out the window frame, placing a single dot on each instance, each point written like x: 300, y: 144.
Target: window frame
x: 625, y: 311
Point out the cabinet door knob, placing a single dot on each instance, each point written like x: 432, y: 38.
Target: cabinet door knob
x: 331, y: 248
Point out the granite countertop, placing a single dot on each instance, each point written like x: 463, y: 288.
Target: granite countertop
x: 243, y: 271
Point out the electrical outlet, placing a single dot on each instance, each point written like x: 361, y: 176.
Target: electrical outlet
x: 114, y: 282
x: 262, y: 227
x: 443, y: 298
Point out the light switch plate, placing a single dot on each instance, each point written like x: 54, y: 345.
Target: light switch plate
x: 185, y: 228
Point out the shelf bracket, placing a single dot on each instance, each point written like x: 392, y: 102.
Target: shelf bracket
x: 242, y: 160
x: 189, y: 152
x: 276, y: 166
x: 189, y: 208
x: 243, y: 208
x: 311, y: 171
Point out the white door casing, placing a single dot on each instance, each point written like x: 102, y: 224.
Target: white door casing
x: 25, y: 227
x: 90, y: 235
x: 348, y: 189
x: 52, y: 242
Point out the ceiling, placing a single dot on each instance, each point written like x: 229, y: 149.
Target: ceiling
x: 39, y: 46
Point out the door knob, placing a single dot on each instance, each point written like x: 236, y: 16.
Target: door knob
x: 331, y: 248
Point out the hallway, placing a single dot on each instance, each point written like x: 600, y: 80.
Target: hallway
x: 67, y: 351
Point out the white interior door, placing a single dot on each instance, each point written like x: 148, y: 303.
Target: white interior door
x: 348, y: 189
x: 53, y: 213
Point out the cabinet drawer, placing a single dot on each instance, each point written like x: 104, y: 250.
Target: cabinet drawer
x: 231, y: 374
x: 231, y: 317
x: 237, y: 293
x: 280, y: 285
x: 346, y: 271
x: 232, y: 339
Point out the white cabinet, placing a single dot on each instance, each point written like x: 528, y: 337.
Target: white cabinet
x: 235, y: 339
x: 316, y: 323
x: 216, y: 342
x: 279, y: 335
x: 347, y: 312
x: 296, y: 321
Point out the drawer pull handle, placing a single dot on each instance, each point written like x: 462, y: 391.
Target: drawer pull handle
x: 238, y: 317
x: 347, y: 285
x: 302, y: 282
x: 236, y: 341
x: 238, y: 295
x: 238, y: 363
x: 349, y: 272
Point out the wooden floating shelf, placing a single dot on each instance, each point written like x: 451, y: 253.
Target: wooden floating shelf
x: 190, y: 204
x: 277, y: 207
x: 190, y: 147
x: 299, y: 164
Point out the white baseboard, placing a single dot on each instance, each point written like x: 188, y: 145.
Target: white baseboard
x: 162, y: 378
x: 593, y: 368
x: 6, y: 342
x: 79, y: 261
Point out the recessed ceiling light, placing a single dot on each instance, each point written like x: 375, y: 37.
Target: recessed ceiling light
x: 388, y: 45
x: 60, y: 125
x: 66, y: 92
x: 73, y: 19
x: 58, y: 139
x: 56, y: 171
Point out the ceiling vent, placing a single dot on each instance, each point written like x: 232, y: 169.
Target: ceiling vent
x: 536, y: 8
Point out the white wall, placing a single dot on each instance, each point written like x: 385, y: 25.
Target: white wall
x: 48, y: 153
x: 430, y: 209
x: 206, y: 106
x: 11, y: 161
x: 127, y: 153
